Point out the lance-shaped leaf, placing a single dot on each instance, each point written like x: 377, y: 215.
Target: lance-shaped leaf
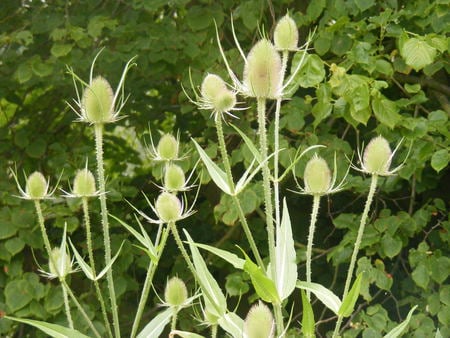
x: 232, y: 324
x: 231, y: 258
x: 327, y: 297
x: 53, y: 330
x: 156, y: 326
x: 286, y: 267
x: 397, y: 331
x: 208, y: 284
x: 87, y: 269
x: 348, y: 303
x: 249, y: 143
x: 308, y: 322
x: 217, y: 175
x: 184, y: 334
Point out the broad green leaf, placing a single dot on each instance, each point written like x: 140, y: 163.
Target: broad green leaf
x: 60, y: 49
x: 286, y: 266
x: 231, y: 258
x: 208, y: 284
x: 440, y: 160
x: 184, y: 334
x: 417, y: 53
x: 348, y: 303
x: 391, y: 245
x: 327, y: 297
x: 232, y: 324
x: 359, y: 100
x: 385, y: 110
x: 14, y: 245
x: 311, y: 71
x: 53, y: 330
x: 397, y: 331
x: 308, y: 322
x: 322, y: 109
x: 156, y: 326
x: 18, y: 293
x: 218, y: 175
x: 24, y: 72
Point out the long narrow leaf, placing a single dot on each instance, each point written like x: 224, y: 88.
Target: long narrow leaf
x: 232, y: 324
x: 53, y: 330
x: 249, y: 143
x: 156, y: 326
x: 81, y: 263
x: 397, y: 331
x: 348, y: 303
x: 184, y: 334
x: 231, y: 258
x: 327, y: 297
x: 106, y: 268
x: 308, y: 322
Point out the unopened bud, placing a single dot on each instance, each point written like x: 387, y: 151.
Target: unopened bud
x: 168, y: 207
x: 285, y: 35
x: 175, y: 293
x: 259, y: 322
x: 216, y: 94
x: 377, y: 156
x: 262, y: 71
x: 317, y: 176
x: 174, y: 179
x: 84, y: 183
x: 167, y: 148
x: 62, y: 263
x: 36, y: 187
x: 98, y: 101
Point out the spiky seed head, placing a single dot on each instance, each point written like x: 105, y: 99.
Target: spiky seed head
x: 285, y: 35
x: 212, y: 85
x: 259, y: 322
x: 262, y: 72
x: 216, y: 94
x: 168, y: 207
x: 84, y: 183
x: 98, y: 101
x: 36, y: 187
x: 175, y: 293
x: 62, y: 261
x: 167, y: 147
x: 317, y: 176
x: 377, y: 156
x: 174, y: 179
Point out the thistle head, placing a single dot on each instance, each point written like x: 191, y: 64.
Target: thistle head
x: 176, y: 293
x: 317, y: 176
x: 215, y: 95
x: 168, y: 207
x: 259, y: 322
x: 97, y: 103
x: 262, y: 71
x: 62, y: 263
x: 36, y: 187
x: 84, y: 184
x: 167, y: 148
x: 285, y: 36
x: 174, y: 178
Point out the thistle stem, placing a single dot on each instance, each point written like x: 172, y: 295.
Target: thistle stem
x: 362, y: 224
x: 87, y: 222
x: 241, y: 214
x: 312, y: 227
x: 173, y: 324
x: 105, y: 223
x: 213, y: 331
x: 67, y: 308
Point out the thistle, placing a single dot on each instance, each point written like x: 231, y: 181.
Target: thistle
x: 259, y: 322
x: 285, y: 36
x: 36, y: 187
x: 176, y: 293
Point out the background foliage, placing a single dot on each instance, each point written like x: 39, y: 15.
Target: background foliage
x: 376, y: 67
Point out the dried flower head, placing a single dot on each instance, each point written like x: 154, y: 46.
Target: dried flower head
x: 259, y: 322
x: 285, y: 36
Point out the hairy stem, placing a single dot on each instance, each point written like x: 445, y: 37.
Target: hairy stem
x: 312, y: 227
x: 67, y: 308
x: 105, y: 223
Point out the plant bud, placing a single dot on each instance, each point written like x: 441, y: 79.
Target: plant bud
x: 167, y: 148
x: 262, y: 71
x: 62, y: 261
x: 215, y: 93
x: 211, y: 86
x: 175, y: 293
x: 377, y: 156
x: 168, y: 207
x: 36, y: 187
x: 97, y: 101
x: 84, y: 183
x: 259, y: 322
x: 285, y: 35
x: 317, y: 176
x: 174, y: 179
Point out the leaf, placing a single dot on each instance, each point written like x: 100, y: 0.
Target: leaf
x: 231, y: 258
x: 184, y: 334
x: 440, y: 160
x: 249, y: 144
x: 60, y: 49
x: 218, y: 175
x: 391, y: 245
x: 359, y: 100
x: 54, y: 330
x: 311, y: 71
x: 18, y: 293
x: 417, y: 53
x: 285, y: 255
x: 308, y: 322
x: 348, y: 303
x: 232, y: 324
x: 327, y: 297
x: 156, y: 326
x: 385, y: 110
x: 396, y: 331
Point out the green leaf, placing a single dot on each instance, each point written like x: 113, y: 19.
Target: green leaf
x: 156, y: 326
x: 311, y: 71
x: 385, y: 110
x: 232, y: 324
x: 440, y: 160
x: 56, y: 331
x: 421, y: 276
x: 18, y: 293
x: 60, y: 49
x: 231, y: 258
x: 359, y: 100
x: 327, y: 297
x: 348, y: 304
x: 24, y: 73
x: 322, y: 109
x: 308, y: 322
x: 417, y: 53
x: 14, y: 245
x: 364, y: 4
x: 314, y: 9
x: 249, y: 143
x: 285, y: 256
x: 185, y: 334
x: 391, y: 245
x: 397, y: 331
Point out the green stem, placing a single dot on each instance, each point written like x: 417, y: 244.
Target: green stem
x: 105, y: 223
x: 173, y: 325
x: 67, y: 308
x: 241, y: 214
x: 214, y: 331
x: 87, y: 222
x: 148, y: 283
x: 362, y: 224
x: 312, y: 227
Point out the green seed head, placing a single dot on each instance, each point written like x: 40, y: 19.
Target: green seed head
x: 62, y: 262
x: 167, y: 148
x: 286, y: 34
x: 36, y: 187
x: 215, y: 93
x: 317, y: 176
x: 211, y: 86
x: 168, y: 207
x: 377, y: 156
x: 176, y: 293
x: 259, y: 322
x: 84, y: 184
x: 174, y: 179
x: 262, y: 72
x: 97, y: 102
